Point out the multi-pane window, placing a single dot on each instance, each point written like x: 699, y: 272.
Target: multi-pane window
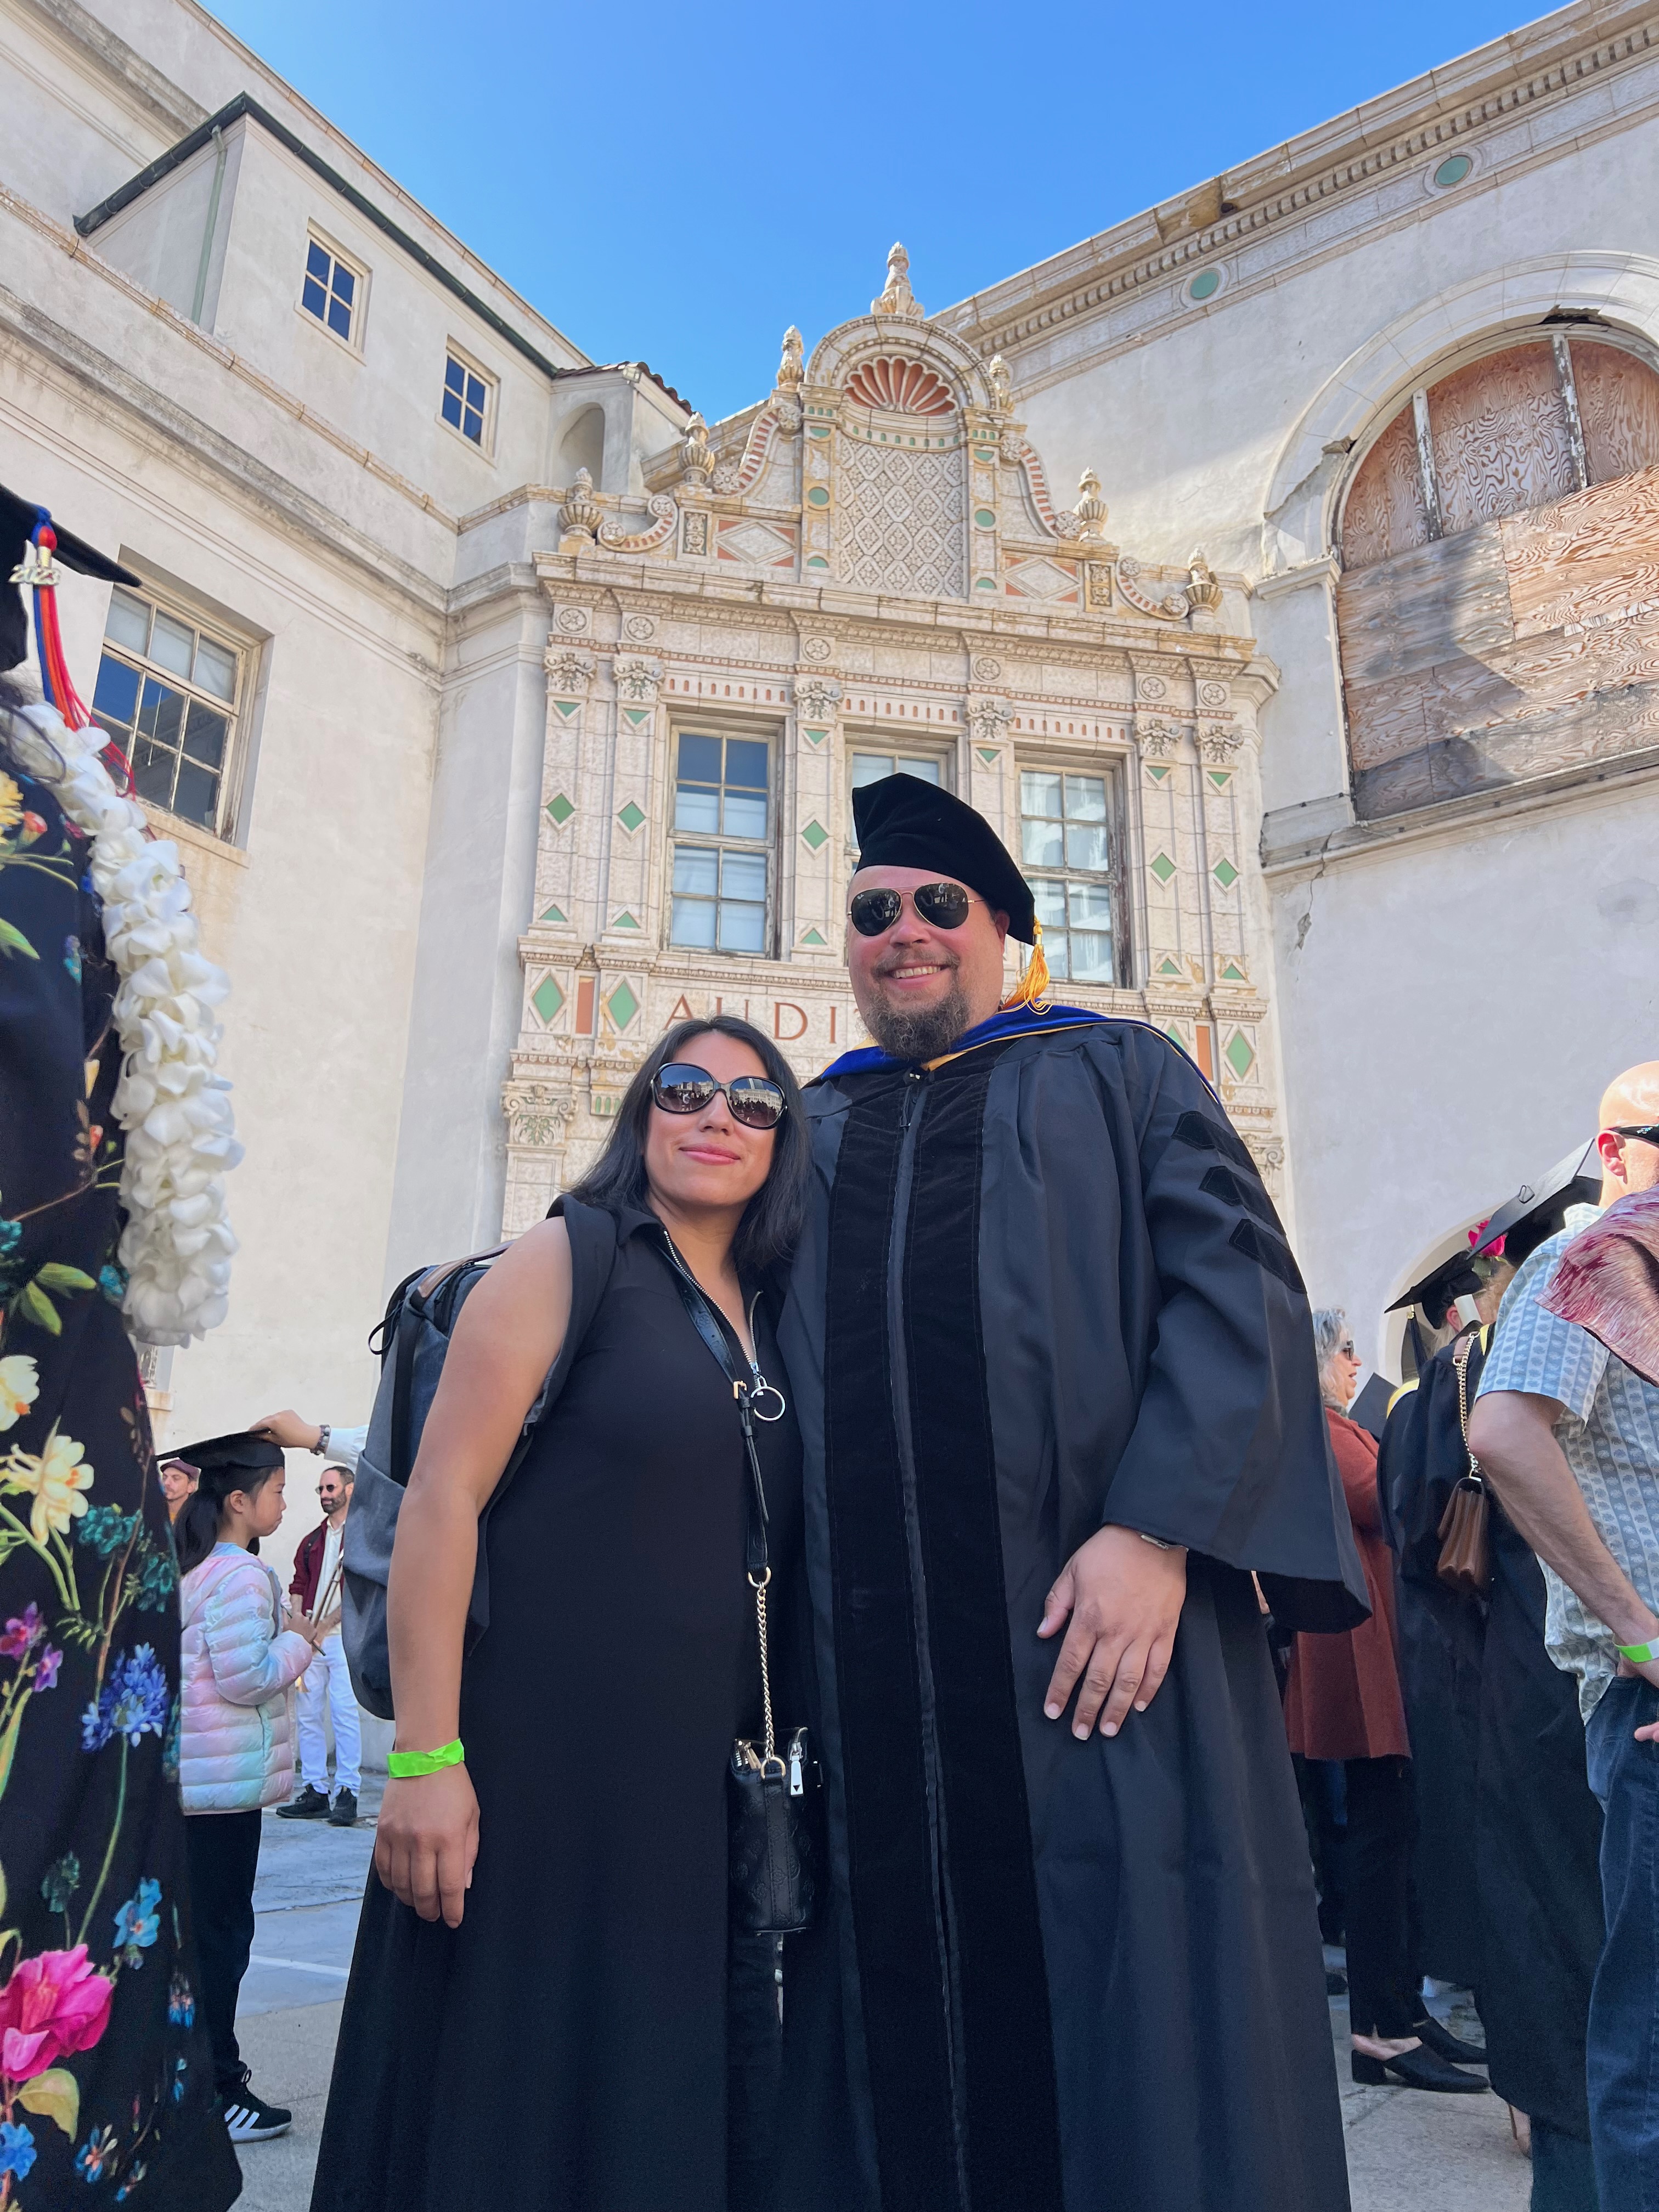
x: 331, y: 290
x: 466, y: 400
x: 720, y: 847
x: 166, y: 693
x: 1065, y: 834
x: 870, y: 767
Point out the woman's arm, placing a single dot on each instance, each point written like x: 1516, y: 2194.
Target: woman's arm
x: 508, y: 1335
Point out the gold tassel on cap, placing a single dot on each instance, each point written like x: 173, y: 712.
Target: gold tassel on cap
x: 1032, y: 989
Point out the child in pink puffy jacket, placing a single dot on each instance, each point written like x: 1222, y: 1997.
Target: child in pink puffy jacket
x: 235, y: 1753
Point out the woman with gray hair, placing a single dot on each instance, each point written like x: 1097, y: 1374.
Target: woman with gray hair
x: 1342, y: 1701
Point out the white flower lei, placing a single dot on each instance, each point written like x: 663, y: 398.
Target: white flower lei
x: 177, y: 1244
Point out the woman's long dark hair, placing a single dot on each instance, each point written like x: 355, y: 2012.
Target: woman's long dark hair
x: 771, y: 1220
x: 195, y: 1531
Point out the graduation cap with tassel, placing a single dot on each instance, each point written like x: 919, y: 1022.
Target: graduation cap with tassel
x: 904, y: 822
x: 32, y: 550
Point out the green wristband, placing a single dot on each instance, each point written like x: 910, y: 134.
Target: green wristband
x: 405, y: 1765
x: 1640, y: 1654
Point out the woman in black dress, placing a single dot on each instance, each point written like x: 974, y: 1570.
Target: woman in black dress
x: 539, y: 2015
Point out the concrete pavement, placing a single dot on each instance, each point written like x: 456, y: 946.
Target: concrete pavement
x: 1407, y: 2152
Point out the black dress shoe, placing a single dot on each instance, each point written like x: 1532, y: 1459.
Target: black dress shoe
x: 1417, y: 2070
x: 310, y: 1805
x: 1445, y: 2044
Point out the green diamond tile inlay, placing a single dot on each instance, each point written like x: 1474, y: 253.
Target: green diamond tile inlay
x: 1175, y: 1036
x: 637, y: 714
x: 560, y: 808
x: 630, y: 816
x: 622, y: 1005
x: 554, y: 914
x: 989, y: 754
x: 813, y: 937
x: 547, y: 998
x: 1169, y: 968
x: 815, y: 834
x: 1158, y: 774
x: 1225, y: 874
x: 1220, y: 777
x: 1232, y: 973
x: 1164, y: 867
x: 566, y: 706
x: 1239, y: 1058
x: 624, y: 921
x: 816, y: 737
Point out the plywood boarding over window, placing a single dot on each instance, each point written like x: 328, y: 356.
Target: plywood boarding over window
x: 1524, y: 642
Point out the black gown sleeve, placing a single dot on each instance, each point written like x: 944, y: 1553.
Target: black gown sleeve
x: 1230, y: 1453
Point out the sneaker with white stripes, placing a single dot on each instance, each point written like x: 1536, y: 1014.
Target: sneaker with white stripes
x: 249, y: 2119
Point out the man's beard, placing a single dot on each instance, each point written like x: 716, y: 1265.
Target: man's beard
x: 919, y: 1032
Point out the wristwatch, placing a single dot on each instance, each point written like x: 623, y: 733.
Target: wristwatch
x: 324, y: 1432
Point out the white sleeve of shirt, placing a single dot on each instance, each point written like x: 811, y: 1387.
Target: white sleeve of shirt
x: 345, y: 1446
x: 1538, y: 1352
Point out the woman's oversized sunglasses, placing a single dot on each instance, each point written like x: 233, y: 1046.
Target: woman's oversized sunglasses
x: 681, y: 1088
x: 943, y: 905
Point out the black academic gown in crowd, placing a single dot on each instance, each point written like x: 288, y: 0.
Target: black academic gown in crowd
x: 1041, y: 1288
x: 1443, y: 1634
x: 1534, y: 1828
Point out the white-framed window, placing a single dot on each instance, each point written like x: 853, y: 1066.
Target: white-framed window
x: 469, y: 399
x: 333, y: 290
x: 722, y: 848
x: 167, y: 692
x: 1068, y: 852
x: 870, y: 763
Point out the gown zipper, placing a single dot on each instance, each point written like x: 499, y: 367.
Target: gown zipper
x: 898, y: 1365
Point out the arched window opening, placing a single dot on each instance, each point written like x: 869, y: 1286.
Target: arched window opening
x: 1492, y: 609
x: 582, y: 446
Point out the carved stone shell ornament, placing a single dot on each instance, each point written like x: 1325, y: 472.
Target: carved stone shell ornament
x: 899, y: 387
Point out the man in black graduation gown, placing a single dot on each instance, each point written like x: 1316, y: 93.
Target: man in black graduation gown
x: 1055, y: 1374
x: 1441, y: 1634
x: 1534, y: 1833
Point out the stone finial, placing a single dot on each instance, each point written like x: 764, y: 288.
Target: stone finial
x: 697, y: 457
x: 793, y: 367
x: 1002, y: 384
x: 581, y: 513
x: 1203, y: 587
x: 897, y: 298
x: 1090, y: 509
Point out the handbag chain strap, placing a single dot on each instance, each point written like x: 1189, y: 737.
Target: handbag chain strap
x: 1460, y: 1352
x: 695, y: 1299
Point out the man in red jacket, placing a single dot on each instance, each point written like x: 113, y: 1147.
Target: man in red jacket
x: 325, y: 1686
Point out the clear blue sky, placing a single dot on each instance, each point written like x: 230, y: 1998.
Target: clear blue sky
x: 678, y: 184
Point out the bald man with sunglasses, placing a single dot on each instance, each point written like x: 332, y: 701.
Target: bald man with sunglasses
x: 1055, y: 1367
x: 1567, y: 1432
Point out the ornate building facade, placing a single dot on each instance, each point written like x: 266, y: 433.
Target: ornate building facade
x: 503, y: 710
x: 868, y: 570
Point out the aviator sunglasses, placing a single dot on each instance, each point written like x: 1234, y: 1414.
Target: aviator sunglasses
x: 944, y: 905
x: 682, y: 1088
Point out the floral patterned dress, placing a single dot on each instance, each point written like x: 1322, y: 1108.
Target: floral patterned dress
x: 106, y: 2080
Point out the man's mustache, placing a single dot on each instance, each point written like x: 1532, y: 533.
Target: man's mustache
x: 890, y: 962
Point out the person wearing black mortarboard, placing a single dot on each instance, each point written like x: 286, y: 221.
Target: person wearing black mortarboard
x: 1055, y: 1368
x: 1441, y: 1632
x: 108, y: 2085
x: 1510, y: 1832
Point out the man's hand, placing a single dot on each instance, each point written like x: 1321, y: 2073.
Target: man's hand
x: 1124, y: 1596
x: 426, y: 1840
x: 289, y: 1430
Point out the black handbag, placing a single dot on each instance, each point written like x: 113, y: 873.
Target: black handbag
x: 773, y: 1799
